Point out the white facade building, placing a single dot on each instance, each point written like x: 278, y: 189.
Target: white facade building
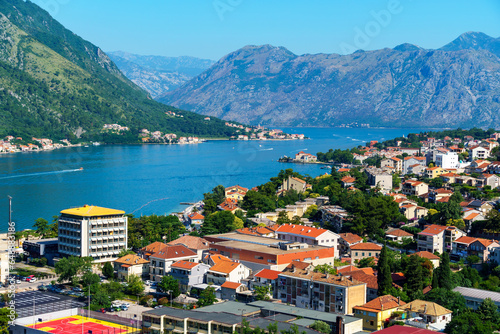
x: 93, y: 231
x: 447, y: 160
x: 309, y: 235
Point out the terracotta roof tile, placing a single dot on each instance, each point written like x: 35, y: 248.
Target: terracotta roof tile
x: 399, y: 233
x: 347, y: 269
x: 382, y: 303
x: 231, y: 285
x: 172, y: 252
x: 191, y: 242
x: 427, y: 255
x: 131, y: 259
x: 350, y: 237
x: 426, y: 307
x: 465, y: 240
x: 366, y: 246
x: 301, y: 230
x: 184, y: 264
x: 224, y: 267
x: 361, y: 276
x: 268, y: 274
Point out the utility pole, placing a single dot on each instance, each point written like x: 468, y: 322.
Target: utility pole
x: 10, y: 210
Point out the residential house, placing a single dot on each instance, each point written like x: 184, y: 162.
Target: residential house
x: 425, y: 314
x: 438, y: 238
x: 361, y: 276
x: 375, y: 312
x: 495, y: 255
x: 379, y: 178
x: 478, y: 166
x: 466, y: 246
x: 235, y: 291
x: 160, y: 262
x: 198, y: 245
x: 449, y: 177
x: 305, y: 157
x: 433, y: 172
x: 397, y: 235
x: 231, y: 271
x: 474, y: 297
x: 294, y: 183
x: 364, y: 250
x: 236, y: 192
x: 267, y: 278
x: 447, y: 160
x: 439, y: 195
x: 471, y: 215
x: 308, y: 235
x: 347, y: 240
x: 481, y: 206
x: 479, y: 152
x: 131, y: 264
x: 334, y: 215
x: 412, y: 211
x: 429, y: 256
x: 347, y: 181
x: 320, y: 292
x: 412, y: 161
x: 494, y: 167
x: 196, y: 219
x: 416, y: 169
x: 491, y: 180
x: 395, y: 163
x: 415, y: 188
x: 188, y: 273
x: 229, y: 204
x: 147, y: 251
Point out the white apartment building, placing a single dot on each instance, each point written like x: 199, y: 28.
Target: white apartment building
x: 447, y: 160
x: 308, y: 235
x: 438, y: 238
x: 93, y: 231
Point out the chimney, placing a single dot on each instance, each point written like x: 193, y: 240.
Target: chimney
x: 339, y: 325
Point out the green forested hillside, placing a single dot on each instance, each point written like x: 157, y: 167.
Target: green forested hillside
x: 55, y: 84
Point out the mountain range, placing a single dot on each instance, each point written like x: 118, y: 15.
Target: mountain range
x: 406, y: 86
x: 55, y: 84
x: 158, y: 74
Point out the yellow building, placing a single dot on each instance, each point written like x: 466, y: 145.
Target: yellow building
x: 433, y: 172
x: 376, y: 311
x: 236, y: 192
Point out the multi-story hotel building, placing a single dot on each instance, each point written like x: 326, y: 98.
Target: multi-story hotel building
x: 93, y: 231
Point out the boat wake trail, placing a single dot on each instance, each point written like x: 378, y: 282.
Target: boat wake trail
x: 155, y: 200
x: 41, y: 173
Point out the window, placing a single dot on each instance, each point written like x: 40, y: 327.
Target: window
x: 363, y: 254
x: 370, y: 254
x: 356, y: 253
x: 371, y: 323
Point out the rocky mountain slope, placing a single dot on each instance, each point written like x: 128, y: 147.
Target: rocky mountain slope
x: 55, y: 84
x: 458, y: 85
x: 156, y: 74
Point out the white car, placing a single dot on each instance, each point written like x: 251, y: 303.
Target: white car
x: 126, y: 304
x: 148, y: 282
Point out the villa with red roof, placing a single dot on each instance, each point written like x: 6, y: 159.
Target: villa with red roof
x: 465, y: 246
x: 266, y: 277
x: 196, y: 219
x: 309, y: 235
x: 229, y: 204
x: 397, y: 235
x: 236, y: 192
x: 438, y: 238
x: 198, y: 245
x: 347, y: 240
x: 160, y: 262
x: 235, y: 291
x: 189, y: 274
x: 294, y: 183
x: 231, y: 271
x: 131, y: 264
x: 415, y: 188
x: 305, y: 157
x: 375, y: 312
x: 429, y: 256
x: 364, y: 250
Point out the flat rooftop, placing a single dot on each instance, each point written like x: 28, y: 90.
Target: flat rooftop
x: 478, y: 293
x: 241, y: 245
x: 43, y: 302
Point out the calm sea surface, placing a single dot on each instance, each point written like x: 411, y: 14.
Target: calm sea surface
x: 147, y: 179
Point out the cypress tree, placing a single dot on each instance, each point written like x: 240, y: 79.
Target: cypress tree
x: 435, y: 280
x: 415, y: 282
x: 445, y: 272
x: 384, y: 278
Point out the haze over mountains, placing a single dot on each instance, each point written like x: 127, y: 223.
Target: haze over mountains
x: 57, y: 85
x: 456, y: 85
x: 158, y: 74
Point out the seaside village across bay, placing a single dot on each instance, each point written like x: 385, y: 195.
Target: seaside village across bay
x: 399, y: 234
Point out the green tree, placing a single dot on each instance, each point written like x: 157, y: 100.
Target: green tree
x: 321, y: 327
x: 488, y: 311
x: 263, y: 292
x: 221, y: 222
x: 168, y: 283
x: 449, y: 299
x: 384, y: 278
x: 69, y: 268
x: 468, y: 322
x: 445, y: 272
x: 325, y: 269
x: 366, y: 262
x: 207, y: 297
x: 135, y: 285
x: 5, y: 317
x: 209, y: 207
x: 108, y: 271
x: 255, y: 202
x: 89, y: 279
x: 42, y: 227
x: 414, y: 283
x: 125, y: 252
x: 282, y: 218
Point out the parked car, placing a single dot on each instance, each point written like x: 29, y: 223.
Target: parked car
x: 18, y: 281
x: 148, y: 282
x: 77, y: 289
x: 103, y: 310
x: 31, y: 279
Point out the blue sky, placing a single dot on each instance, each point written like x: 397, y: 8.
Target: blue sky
x: 213, y: 28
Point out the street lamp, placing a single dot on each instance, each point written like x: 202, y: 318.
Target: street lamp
x: 170, y: 294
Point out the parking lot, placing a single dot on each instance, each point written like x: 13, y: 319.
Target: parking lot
x: 134, y: 312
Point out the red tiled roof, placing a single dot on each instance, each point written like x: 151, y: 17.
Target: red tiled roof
x: 191, y: 242
x: 433, y: 230
x: 444, y: 199
x: 237, y: 188
x: 231, y: 285
x: 350, y: 237
x: 301, y: 230
x: 465, y: 240
x: 298, y: 264
x: 381, y: 303
x: 443, y: 191
x: 184, y: 264
x: 427, y: 255
x: 347, y: 269
x: 399, y: 233
x: 196, y: 216
x: 370, y: 280
x: 229, y: 204
x: 172, y: 252
x: 348, y: 179
x: 366, y: 246
x: 298, y: 180
x: 485, y: 242
x: 368, y: 271
x: 268, y: 274
x: 471, y: 216
x: 225, y: 266
x: 131, y: 259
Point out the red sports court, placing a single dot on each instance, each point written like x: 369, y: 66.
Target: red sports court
x: 74, y: 324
